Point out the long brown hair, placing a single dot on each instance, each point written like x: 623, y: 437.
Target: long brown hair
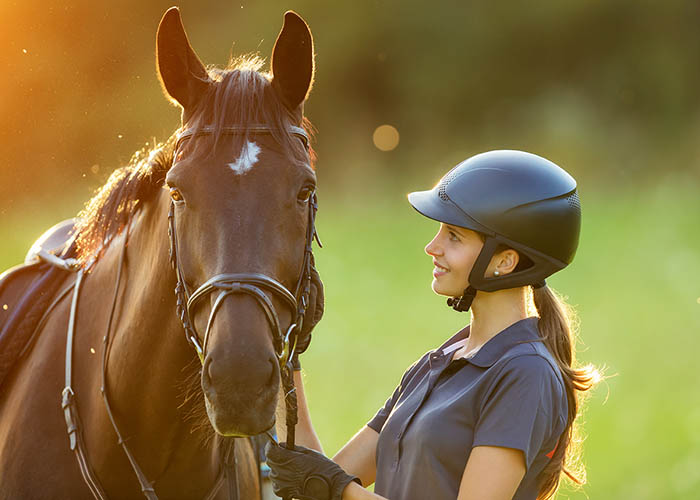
x: 558, y: 327
x: 558, y: 330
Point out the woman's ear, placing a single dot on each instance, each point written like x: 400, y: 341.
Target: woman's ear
x: 504, y: 262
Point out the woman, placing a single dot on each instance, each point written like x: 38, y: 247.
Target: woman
x: 489, y: 414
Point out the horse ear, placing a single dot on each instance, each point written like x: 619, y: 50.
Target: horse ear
x: 182, y: 74
x: 293, y: 61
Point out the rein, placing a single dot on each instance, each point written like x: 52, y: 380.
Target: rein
x: 253, y: 284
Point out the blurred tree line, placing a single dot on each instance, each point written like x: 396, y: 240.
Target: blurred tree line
x: 609, y: 89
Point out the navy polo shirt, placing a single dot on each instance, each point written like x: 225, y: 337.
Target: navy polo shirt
x: 509, y: 394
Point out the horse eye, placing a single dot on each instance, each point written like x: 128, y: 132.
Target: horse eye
x: 305, y: 193
x: 176, y: 195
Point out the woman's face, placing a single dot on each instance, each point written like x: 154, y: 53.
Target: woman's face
x: 454, y: 251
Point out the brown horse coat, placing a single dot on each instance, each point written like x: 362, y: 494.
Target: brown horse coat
x: 252, y: 221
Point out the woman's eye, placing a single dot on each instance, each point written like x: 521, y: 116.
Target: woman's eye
x: 305, y: 194
x: 453, y: 236
x: 176, y: 195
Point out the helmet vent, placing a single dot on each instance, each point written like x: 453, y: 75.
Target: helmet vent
x: 574, y: 202
x: 444, y: 183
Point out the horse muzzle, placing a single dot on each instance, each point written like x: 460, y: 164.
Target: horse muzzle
x: 240, y: 391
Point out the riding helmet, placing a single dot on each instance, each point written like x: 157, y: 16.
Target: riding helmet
x: 514, y: 199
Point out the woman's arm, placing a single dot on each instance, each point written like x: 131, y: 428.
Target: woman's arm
x: 358, y: 456
x: 356, y: 492
x: 304, y: 432
x: 492, y: 473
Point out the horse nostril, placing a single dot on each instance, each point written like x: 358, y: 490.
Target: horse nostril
x: 273, y: 370
x: 238, y: 371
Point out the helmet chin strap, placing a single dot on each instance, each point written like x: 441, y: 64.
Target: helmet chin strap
x: 491, y: 284
x: 463, y: 303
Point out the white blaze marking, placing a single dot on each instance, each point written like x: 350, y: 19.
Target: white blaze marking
x: 247, y: 160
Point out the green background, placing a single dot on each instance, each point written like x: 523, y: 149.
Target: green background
x: 606, y: 89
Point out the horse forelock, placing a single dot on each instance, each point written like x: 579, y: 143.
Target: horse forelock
x: 241, y: 94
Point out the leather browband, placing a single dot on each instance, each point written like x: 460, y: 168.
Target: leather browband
x: 239, y: 129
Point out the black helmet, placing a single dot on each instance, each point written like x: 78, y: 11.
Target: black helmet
x: 515, y: 199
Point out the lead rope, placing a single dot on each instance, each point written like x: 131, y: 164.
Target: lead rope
x: 290, y: 402
x: 290, y: 394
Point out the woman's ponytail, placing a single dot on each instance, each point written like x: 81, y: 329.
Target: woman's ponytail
x: 557, y: 326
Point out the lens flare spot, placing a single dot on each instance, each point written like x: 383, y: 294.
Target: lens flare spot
x: 4, y: 306
x: 386, y: 138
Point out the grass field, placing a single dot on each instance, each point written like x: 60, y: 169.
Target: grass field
x: 635, y: 285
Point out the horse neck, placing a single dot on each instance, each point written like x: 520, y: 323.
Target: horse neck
x: 148, y: 356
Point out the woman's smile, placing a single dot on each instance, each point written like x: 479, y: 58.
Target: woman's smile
x: 454, y: 250
x: 439, y: 270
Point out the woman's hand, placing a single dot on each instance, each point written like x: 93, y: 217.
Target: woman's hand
x: 305, y: 474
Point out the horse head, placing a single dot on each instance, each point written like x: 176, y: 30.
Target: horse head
x: 242, y: 199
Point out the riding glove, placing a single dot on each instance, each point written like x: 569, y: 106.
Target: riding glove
x: 305, y: 474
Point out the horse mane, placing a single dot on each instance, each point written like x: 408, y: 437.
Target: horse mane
x: 240, y: 94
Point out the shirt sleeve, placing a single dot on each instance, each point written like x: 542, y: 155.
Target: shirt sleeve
x: 525, y: 408
x: 379, y: 419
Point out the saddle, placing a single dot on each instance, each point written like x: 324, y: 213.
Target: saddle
x: 26, y: 291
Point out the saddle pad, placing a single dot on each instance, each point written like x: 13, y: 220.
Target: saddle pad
x: 25, y: 293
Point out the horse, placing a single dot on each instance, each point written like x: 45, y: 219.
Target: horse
x: 222, y: 213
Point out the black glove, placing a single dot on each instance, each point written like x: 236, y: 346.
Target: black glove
x: 305, y: 474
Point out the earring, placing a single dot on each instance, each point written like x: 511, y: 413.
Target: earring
x: 496, y: 273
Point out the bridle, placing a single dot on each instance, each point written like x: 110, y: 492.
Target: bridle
x: 253, y: 284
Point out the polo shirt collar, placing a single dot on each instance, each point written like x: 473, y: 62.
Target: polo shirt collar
x: 521, y: 331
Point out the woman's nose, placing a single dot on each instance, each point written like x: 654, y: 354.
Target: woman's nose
x: 432, y: 248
